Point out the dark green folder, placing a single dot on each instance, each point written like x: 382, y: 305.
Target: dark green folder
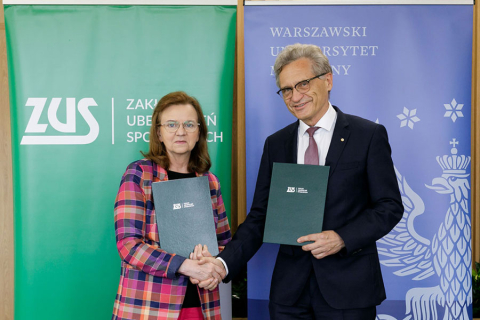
x: 183, y: 209
x: 296, y: 202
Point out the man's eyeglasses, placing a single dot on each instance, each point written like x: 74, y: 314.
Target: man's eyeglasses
x: 302, y: 87
x: 172, y: 126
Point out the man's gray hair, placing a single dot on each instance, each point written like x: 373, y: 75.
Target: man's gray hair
x: 296, y: 51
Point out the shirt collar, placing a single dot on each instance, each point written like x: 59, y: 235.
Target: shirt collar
x: 326, y: 122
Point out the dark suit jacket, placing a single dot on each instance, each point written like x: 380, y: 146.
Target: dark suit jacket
x: 363, y: 204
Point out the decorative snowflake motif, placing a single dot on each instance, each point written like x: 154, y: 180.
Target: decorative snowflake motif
x: 453, y: 110
x: 408, y: 117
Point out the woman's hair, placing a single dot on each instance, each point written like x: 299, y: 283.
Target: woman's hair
x: 199, y: 158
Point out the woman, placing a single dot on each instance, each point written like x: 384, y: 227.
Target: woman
x: 154, y: 284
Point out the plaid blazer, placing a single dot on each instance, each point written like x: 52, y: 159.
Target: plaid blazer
x: 150, y: 287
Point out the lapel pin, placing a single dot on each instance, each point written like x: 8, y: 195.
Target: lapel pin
x: 342, y: 139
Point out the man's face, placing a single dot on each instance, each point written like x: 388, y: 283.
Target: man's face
x: 312, y: 105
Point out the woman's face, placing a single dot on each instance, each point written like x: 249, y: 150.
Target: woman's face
x: 181, y: 142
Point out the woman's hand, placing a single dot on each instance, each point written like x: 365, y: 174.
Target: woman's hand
x: 198, y: 253
x: 202, y: 271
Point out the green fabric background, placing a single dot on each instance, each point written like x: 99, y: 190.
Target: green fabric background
x: 66, y: 262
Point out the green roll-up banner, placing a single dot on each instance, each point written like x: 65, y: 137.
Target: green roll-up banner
x: 83, y: 84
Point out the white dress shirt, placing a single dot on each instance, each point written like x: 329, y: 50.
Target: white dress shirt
x: 322, y: 136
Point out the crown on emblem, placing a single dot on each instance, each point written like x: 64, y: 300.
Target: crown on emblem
x: 454, y: 163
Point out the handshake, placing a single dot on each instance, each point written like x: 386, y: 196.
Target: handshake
x: 203, y: 269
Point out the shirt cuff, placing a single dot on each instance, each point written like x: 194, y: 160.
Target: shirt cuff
x: 225, y: 265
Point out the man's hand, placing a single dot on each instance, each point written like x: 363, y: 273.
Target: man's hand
x: 203, y: 270
x: 200, y: 253
x: 211, y: 284
x: 325, y: 243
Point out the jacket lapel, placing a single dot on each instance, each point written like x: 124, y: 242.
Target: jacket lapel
x: 339, y: 140
x: 291, y: 144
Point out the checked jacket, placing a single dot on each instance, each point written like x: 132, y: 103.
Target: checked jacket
x: 150, y: 287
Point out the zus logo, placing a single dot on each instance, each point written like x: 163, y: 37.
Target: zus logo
x: 177, y: 206
x: 290, y: 189
x: 34, y: 126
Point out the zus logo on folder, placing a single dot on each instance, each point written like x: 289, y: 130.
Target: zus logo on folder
x: 291, y: 189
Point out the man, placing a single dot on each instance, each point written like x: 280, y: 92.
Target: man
x: 337, y: 276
